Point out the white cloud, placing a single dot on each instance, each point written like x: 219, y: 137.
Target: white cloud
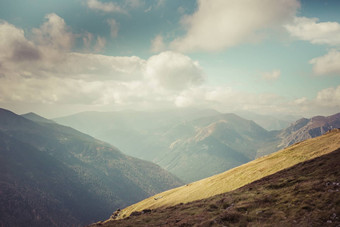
x: 54, y: 33
x: 100, y: 44
x: 157, y: 44
x: 173, y: 71
x: 220, y: 24
x: 14, y: 46
x: 114, y: 27
x: 134, y: 3
x: 270, y: 76
x: 329, y: 97
x: 107, y: 7
x: 311, y: 30
x: 41, y: 75
x: 328, y: 64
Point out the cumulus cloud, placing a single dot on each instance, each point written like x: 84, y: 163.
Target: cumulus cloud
x: 329, y: 97
x: 14, y: 46
x: 54, y: 33
x: 53, y: 76
x: 107, y: 7
x: 220, y: 24
x: 173, y: 71
x: 33, y: 71
x: 157, y: 44
x: 327, y: 64
x: 270, y: 76
x: 309, y: 29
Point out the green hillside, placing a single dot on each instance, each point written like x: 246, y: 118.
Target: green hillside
x: 242, y: 175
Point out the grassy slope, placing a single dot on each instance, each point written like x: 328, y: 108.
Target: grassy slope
x: 242, y: 175
x: 307, y: 194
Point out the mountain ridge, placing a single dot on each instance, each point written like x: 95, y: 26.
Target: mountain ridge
x: 66, y: 167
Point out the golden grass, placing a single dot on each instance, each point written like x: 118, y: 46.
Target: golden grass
x: 242, y: 175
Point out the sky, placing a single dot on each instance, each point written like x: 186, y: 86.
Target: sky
x: 269, y: 57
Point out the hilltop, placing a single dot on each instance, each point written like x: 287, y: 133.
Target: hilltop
x: 242, y: 175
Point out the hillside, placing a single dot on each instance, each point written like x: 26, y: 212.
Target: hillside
x: 306, y: 194
x: 308, y: 128
x: 242, y: 175
x: 52, y: 175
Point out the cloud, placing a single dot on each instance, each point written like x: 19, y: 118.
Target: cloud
x: 54, y: 33
x: 157, y: 44
x: 100, y: 44
x: 41, y: 74
x: 114, y: 27
x: 173, y: 71
x: 14, y: 46
x: 134, y: 3
x: 327, y: 64
x: 309, y: 29
x: 270, y: 76
x: 220, y: 24
x: 107, y: 7
x: 329, y: 97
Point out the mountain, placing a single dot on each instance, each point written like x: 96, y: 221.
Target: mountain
x: 211, y: 145
x: 242, y: 175
x: 36, y: 118
x: 268, y: 122
x: 190, y: 143
x: 307, y: 128
x: 52, y: 175
x: 306, y: 194
x: 122, y: 127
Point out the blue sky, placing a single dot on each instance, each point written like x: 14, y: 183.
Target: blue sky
x: 269, y: 57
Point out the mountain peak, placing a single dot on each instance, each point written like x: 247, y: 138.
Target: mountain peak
x: 37, y: 118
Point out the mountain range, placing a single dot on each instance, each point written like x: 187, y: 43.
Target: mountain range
x: 52, y: 175
x: 194, y: 143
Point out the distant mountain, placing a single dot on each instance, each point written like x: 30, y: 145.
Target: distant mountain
x: 307, y: 128
x: 52, y: 175
x: 255, y: 170
x: 211, y: 145
x: 144, y: 128
x: 269, y: 122
x: 306, y: 194
x: 190, y: 143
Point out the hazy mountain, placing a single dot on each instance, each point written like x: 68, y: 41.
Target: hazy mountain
x: 52, y: 175
x: 253, y: 171
x: 307, y: 128
x: 211, y: 145
x: 145, y: 129
x: 302, y: 195
x: 269, y: 122
x: 191, y: 143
